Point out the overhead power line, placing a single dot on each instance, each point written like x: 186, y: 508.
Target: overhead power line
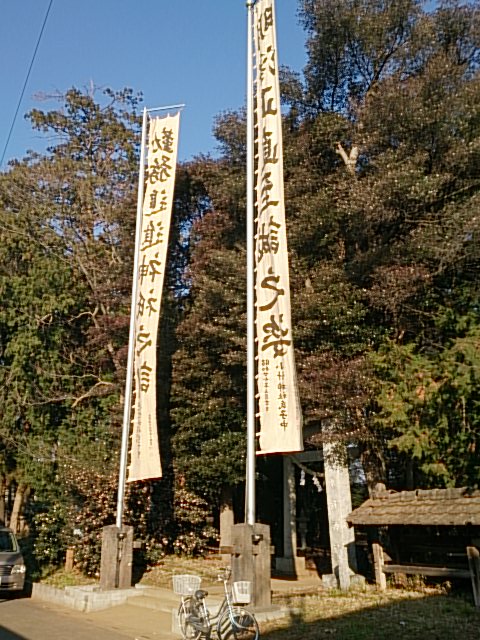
x: 26, y: 82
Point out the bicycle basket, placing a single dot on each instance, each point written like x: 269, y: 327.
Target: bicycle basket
x: 241, y: 592
x: 186, y: 585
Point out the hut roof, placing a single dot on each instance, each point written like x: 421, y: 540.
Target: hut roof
x: 447, y: 507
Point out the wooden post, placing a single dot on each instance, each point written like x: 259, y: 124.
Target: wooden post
x: 226, y: 521
x: 473, y: 556
x: 117, y: 557
x: 251, y: 560
x: 378, y: 562
x: 69, y: 559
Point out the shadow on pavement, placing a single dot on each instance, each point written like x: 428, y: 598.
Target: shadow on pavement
x: 5, y: 634
x: 5, y: 596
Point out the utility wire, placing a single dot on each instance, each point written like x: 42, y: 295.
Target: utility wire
x: 25, y: 83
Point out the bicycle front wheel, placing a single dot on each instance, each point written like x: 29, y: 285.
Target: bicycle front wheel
x: 186, y: 609
x: 240, y: 624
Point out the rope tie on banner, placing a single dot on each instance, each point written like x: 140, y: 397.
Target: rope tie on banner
x: 316, y: 475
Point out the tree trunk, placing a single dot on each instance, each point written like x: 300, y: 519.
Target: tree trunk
x: 3, y: 487
x: 20, y: 496
x: 10, y: 488
x: 374, y: 467
x: 410, y: 476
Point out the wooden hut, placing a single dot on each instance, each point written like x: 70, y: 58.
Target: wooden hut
x: 424, y: 532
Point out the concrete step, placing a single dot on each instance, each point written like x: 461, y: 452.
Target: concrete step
x: 149, y: 602
x: 157, y: 592
x: 155, y: 598
x: 164, y: 601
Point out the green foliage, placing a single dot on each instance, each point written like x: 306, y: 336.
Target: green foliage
x: 381, y: 146
x: 194, y: 534
x: 48, y: 529
x: 66, y: 236
x: 352, y: 46
x: 429, y: 403
x: 381, y: 140
x: 67, y: 250
x: 208, y: 397
x: 65, y: 280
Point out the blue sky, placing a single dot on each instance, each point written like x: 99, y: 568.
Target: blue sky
x: 181, y: 51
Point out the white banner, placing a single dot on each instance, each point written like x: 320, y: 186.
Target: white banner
x: 279, y: 404
x: 156, y: 216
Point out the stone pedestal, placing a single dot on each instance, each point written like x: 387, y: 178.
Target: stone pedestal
x: 290, y: 564
x: 226, y: 524
x: 339, y: 505
x: 251, y: 561
x: 117, y: 558
x: 287, y: 564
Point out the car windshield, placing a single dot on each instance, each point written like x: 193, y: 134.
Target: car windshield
x: 7, y: 541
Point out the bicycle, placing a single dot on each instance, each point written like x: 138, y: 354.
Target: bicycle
x: 231, y: 622
x: 185, y: 586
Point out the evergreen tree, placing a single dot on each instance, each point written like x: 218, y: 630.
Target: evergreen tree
x: 406, y: 199
x: 67, y: 245
x: 381, y: 195
x: 208, y: 394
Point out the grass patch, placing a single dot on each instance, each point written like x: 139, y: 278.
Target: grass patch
x: 161, y: 575
x: 60, y: 578
x: 373, y: 615
x: 158, y: 576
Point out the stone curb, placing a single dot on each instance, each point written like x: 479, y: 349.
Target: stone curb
x: 85, y: 598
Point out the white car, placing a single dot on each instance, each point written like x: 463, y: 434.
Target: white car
x: 12, y: 566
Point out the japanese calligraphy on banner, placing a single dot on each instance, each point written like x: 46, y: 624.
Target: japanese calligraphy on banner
x: 279, y: 404
x: 156, y: 215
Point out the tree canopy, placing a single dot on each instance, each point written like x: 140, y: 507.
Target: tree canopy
x: 381, y: 156
x: 381, y: 142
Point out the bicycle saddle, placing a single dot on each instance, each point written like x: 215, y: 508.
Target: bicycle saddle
x: 200, y: 594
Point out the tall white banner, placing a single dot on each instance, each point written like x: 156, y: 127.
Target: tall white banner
x: 279, y: 405
x: 156, y: 216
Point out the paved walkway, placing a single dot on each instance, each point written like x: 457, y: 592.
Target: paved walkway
x: 27, y: 619
x: 142, y: 617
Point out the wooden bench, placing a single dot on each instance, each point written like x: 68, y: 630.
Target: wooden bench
x: 473, y: 572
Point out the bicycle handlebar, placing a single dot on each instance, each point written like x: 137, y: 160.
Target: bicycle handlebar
x: 225, y: 575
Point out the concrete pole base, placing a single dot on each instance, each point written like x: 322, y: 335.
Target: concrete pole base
x: 251, y: 560
x: 117, y: 558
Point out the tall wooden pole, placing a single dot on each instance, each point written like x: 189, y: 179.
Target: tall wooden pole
x: 127, y: 407
x: 250, y: 471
